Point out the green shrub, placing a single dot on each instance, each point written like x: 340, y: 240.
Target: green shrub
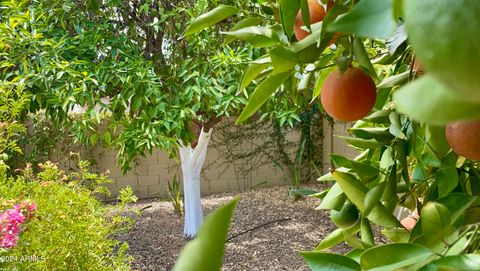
x: 72, y: 230
x: 13, y: 104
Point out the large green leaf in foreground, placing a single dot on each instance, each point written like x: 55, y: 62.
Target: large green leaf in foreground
x: 426, y: 100
x: 368, y: 18
x: 395, y: 257
x: 330, y: 262
x: 205, y: 252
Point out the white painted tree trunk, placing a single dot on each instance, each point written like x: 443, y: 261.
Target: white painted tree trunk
x: 192, y: 163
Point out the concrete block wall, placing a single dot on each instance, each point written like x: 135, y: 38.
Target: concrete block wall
x: 150, y: 175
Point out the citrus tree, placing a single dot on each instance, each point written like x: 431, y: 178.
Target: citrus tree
x: 128, y: 66
x: 404, y: 70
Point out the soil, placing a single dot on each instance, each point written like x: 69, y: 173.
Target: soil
x: 292, y: 226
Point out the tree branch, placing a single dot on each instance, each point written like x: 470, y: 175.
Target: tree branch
x: 211, y: 122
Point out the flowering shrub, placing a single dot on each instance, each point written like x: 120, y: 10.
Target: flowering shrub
x: 11, y: 222
x: 62, y: 225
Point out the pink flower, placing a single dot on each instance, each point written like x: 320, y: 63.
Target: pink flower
x: 11, y: 221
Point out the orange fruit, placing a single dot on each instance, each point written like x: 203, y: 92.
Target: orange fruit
x: 316, y: 13
x: 346, y: 217
x: 464, y: 138
x: 349, y: 96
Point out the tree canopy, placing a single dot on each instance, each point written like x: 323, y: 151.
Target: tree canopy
x: 125, y: 61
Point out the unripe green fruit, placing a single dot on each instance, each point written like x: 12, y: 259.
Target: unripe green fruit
x: 346, y: 217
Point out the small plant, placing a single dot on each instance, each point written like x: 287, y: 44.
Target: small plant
x: 126, y: 196
x: 124, y: 222
x: 93, y: 181
x: 175, y: 196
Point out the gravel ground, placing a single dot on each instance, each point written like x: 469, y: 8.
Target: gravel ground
x: 156, y: 240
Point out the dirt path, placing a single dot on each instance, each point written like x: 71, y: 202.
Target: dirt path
x: 156, y: 240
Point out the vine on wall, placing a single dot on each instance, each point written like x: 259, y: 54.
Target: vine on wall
x: 297, y: 150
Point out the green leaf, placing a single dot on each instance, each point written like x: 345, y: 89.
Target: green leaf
x: 251, y: 73
x: 380, y: 215
x: 356, y: 193
x: 401, y: 155
x: 437, y: 140
x: 390, y: 193
x: 205, y: 252
x: 318, y: 85
x: 332, y: 14
x: 363, y: 170
x: 447, y: 180
x: 107, y: 137
x: 362, y: 58
x: 395, y: 80
x: 468, y: 262
x: 137, y: 102
x: 282, y: 59
x: 427, y: 100
x: 329, y: 262
x: 395, y: 126
x: 373, y: 196
x: 352, y: 187
x: 386, y: 161
x: 435, y: 220
x: 288, y: 11
x: 258, y: 36
x: 397, y: 235
x: 394, y: 257
x: 250, y: 21
x: 366, y: 232
x: 355, y: 254
x: 336, y: 237
x: 261, y: 95
x: 362, y: 143
x: 380, y: 134
x: 92, y: 5
x: 334, y: 199
x: 418, y: 173
x: 305, y: 13
x: 308, y: 50
x: 210, y: 18
x: 472, y: 216
x: 93, y: 139
x: 459, y: 246
x: 368, y: 18
x: 457, y: 204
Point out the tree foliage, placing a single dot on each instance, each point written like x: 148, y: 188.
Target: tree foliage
x: 124, y: 61
x: 404, y: 159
